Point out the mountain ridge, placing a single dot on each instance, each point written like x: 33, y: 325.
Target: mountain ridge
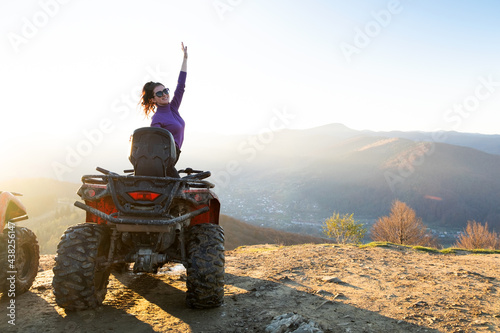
x: 362, y: 174
x: 488, y: 143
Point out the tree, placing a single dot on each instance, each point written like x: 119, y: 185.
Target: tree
x: 402, y: 227
x: 344, y: 229
x: 477, y: 236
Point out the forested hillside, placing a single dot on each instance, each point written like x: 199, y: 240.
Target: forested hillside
x: 306, y: 174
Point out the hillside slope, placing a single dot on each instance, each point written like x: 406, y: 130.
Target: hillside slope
x: 302, y: 171
x: 341, y: 289
x: 238, y: 233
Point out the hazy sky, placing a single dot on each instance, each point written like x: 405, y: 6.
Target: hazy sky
x: 71, y: 71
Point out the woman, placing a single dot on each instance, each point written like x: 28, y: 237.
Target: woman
x: 156, y: 100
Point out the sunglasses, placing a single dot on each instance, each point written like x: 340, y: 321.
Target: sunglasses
x: 161, y: 93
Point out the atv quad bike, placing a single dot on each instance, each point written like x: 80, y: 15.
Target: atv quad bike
x: 19, y: 252
x: 147, y: 217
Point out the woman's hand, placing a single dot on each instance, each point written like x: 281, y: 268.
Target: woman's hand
x: 185, y: 50
x: 184, y: 61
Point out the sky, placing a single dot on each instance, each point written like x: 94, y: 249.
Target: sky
x: 72, y: 71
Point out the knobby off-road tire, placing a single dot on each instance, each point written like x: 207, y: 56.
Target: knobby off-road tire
x: 80, y: 280
x: 205, y: 269
x: 3, y: 262
x: 25, y: 263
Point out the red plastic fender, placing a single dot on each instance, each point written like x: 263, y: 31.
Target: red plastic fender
x: 205, y: 198
x: 10, y: 207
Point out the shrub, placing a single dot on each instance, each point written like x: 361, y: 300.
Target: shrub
x: 402, y: 227
x: 344, y: 229
x: 477, y: 236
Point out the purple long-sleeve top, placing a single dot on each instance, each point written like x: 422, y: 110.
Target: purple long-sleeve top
x: 168, y: 116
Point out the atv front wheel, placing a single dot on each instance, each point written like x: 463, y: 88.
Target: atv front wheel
x: 80, y: 275
x: 25, y: 263
x: 205, y: 266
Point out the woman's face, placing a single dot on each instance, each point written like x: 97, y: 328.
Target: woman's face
x: 164, y: 99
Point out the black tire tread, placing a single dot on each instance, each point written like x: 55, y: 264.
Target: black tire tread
x: 3, y: 262
x: 76, y: 267
x: 205, y: 269
x: 25, y: 239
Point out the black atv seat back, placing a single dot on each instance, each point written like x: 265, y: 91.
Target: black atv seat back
x: 153, y: 151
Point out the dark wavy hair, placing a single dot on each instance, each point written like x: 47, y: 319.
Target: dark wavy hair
x: 147, y: 97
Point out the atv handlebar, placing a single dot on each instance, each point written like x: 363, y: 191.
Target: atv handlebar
x: 201, y: 175
x: 189, y: 171
x: 198, y: 174
x: 106, y: 172
x: 101, y: 170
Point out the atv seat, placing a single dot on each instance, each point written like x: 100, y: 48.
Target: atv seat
x: 153, y: 152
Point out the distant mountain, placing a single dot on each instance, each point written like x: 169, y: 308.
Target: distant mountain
x: 311, y: 173
x: 483, y: 142
x: 445, y: 184
x: 488, y: 143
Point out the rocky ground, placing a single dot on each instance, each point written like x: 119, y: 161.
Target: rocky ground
x: 307, y: 288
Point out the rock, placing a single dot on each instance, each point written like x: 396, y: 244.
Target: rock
x: 285, y: 279
x: 339, y: 295
x: 323, y: 292
x: 420, y: 304
x: 292, y: 323
x: 331, y: 279
x: 309, y: 327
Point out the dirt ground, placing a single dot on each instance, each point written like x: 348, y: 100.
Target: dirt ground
x: 342, y: 289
